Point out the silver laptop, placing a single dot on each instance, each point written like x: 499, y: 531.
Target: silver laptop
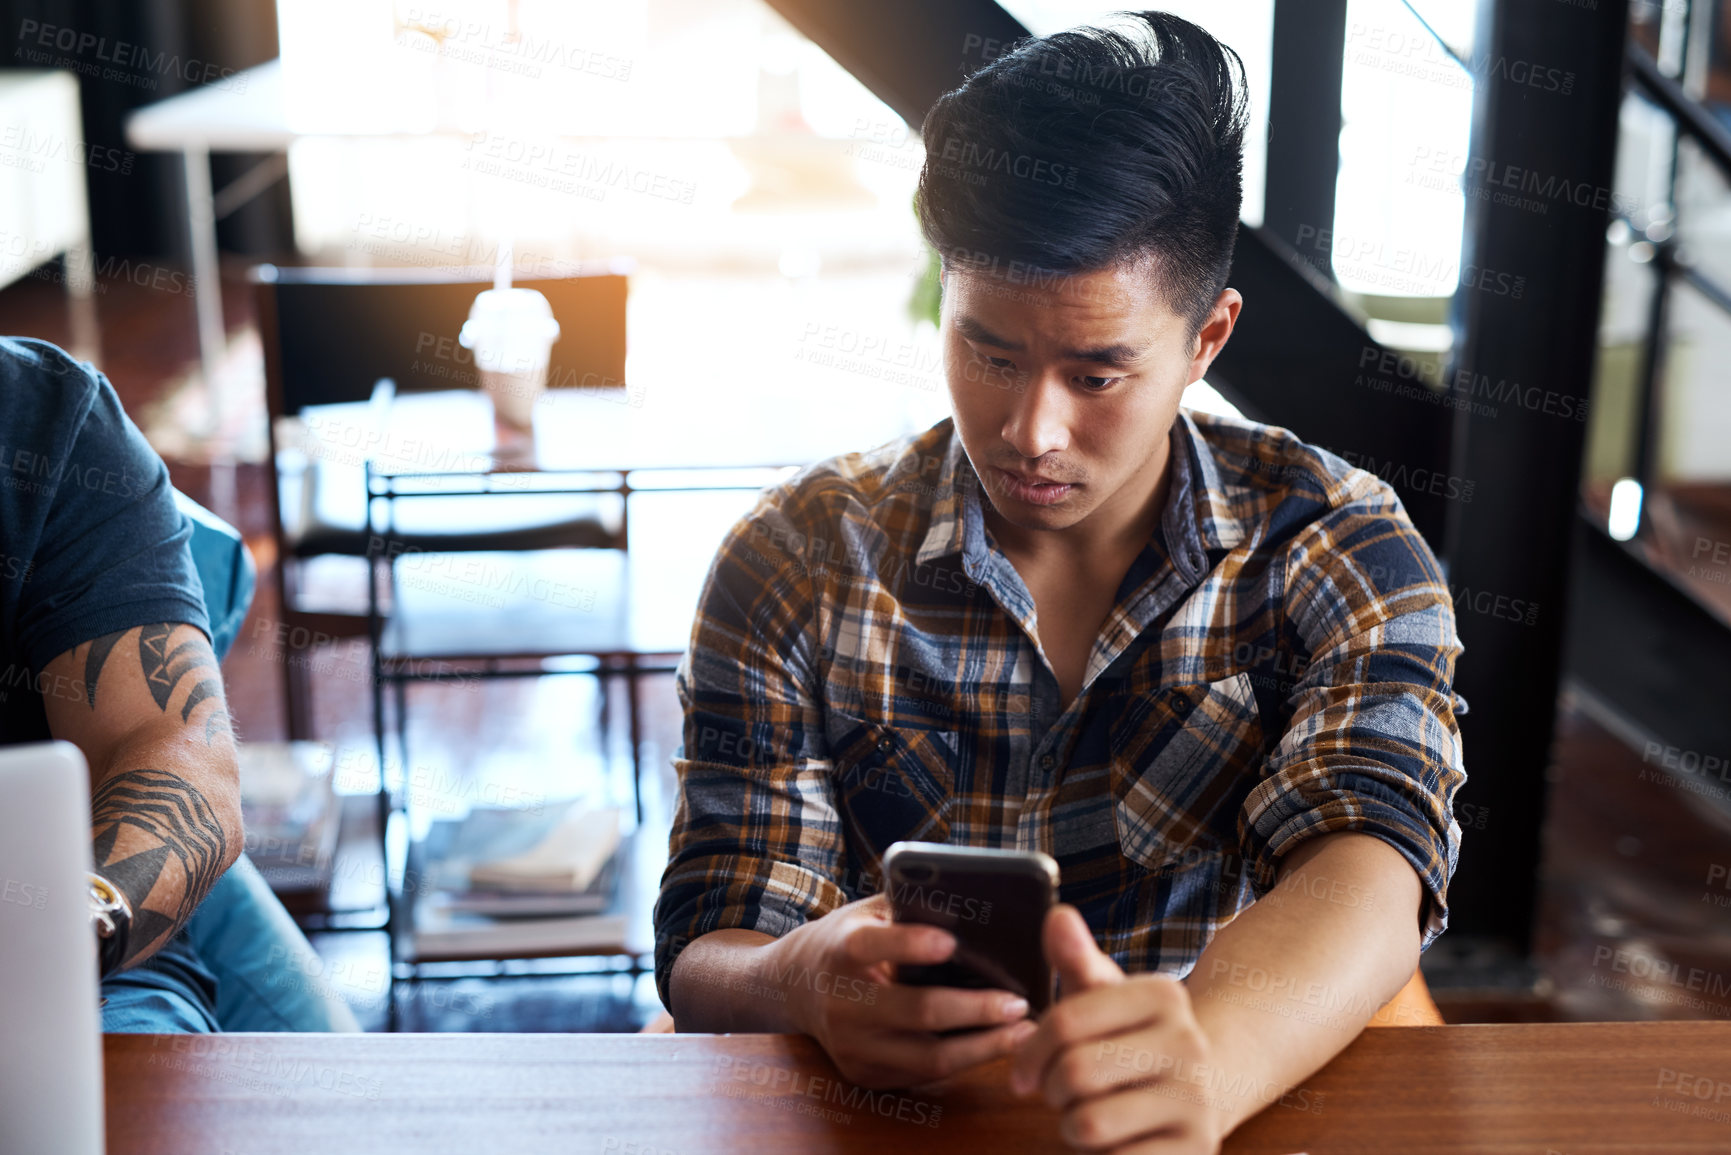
x: 50, y: 1027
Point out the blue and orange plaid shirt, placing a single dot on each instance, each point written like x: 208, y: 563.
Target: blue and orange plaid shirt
x: 863, y: 669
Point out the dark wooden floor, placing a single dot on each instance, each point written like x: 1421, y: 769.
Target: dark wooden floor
x: 1635, y: 916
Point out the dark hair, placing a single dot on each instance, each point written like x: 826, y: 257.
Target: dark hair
x: 1075, y: 152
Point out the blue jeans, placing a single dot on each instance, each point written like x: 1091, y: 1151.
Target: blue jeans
x: 239, y: 964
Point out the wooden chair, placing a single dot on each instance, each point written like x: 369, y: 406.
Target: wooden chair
x: 1411, y: 1006
x: 330, y: 335
x: 661, y: 1024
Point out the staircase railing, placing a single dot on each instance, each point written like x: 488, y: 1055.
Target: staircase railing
x: 1641, y: 640
x: 1670, y: 264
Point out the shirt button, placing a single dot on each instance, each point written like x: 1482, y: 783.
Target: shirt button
x: 1180, y: 702
x: 1046, y: 762
x: 886, y: 744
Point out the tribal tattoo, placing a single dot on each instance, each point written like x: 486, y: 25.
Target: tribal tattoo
x: 141, y: 820
x: 165, y: 668
x: 94, y: 660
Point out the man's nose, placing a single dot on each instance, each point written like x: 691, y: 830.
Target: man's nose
x: 1039, y: 419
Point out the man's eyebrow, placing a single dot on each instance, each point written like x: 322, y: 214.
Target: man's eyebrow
x: 1118, y: 356
x: 975, y: 331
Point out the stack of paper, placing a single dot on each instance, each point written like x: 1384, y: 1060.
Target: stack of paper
x: 567, y: 860
x: 471, y: 936
x: 289, y: 809
x: 501, y: 883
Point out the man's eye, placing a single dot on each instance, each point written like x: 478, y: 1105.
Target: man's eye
x: 1001, y: 362
x: 1096, y: 384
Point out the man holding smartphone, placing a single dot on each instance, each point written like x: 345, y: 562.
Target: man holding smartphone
x: 1203, y: 665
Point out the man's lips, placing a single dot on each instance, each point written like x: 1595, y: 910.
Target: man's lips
x: 1032, y: 488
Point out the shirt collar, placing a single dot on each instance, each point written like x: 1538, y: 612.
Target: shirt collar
x: 1206, y: 507
x: 955, y: 499
x: 1199, y: 515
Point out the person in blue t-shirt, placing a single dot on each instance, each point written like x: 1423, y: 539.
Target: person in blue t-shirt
x: 105, y: 643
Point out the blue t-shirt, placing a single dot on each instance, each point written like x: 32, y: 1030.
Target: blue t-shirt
x: 90, y: 539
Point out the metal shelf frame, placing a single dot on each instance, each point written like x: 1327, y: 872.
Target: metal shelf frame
x: 397, y: 670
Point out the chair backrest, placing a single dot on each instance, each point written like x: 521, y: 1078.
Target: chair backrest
x: 329, y: 334
x: 225, y: 570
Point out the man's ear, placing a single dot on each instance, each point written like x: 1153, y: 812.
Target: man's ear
x: 1216, y: 328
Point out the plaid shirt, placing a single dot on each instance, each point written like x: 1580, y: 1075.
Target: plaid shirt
x: 862, y: 669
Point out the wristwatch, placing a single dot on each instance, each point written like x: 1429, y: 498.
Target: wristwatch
x: 112, y: 916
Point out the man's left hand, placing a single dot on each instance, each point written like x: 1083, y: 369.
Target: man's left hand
x: 1124, y: 1059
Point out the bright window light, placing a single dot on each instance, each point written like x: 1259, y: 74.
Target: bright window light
x: 1205, y: 398
x: 1246, y: 26
x: 1625, y: 516
x: 1406, y: 108
x: 1411, y: 336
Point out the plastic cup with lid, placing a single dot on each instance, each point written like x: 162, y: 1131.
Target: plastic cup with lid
x: 511, y: 332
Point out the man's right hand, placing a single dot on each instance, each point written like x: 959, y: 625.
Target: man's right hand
x: 839, y: 972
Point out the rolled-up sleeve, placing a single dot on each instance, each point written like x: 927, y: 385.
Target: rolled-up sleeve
x: 756, y: 838
x: 1372, y: 744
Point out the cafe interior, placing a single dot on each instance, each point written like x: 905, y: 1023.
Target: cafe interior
x: 452, y: 598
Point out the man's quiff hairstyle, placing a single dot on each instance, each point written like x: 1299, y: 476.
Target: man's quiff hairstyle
x: 1081, y: 151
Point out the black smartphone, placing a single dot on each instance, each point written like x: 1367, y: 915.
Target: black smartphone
x: 993, y: 901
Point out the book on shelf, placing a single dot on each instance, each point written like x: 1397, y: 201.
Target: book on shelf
x: 465, y: 936
x: 289, y: 809
x: 503, y: 882
x: 566, y: 860
x: 509, y: 903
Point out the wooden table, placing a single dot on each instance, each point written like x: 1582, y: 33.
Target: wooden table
x: 1530, y: 1088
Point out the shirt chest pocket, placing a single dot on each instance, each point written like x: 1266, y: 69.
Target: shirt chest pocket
x: 1183, y: 759
x: 891, y: 783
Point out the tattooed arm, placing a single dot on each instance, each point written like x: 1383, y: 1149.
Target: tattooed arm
x: 146, y: 707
